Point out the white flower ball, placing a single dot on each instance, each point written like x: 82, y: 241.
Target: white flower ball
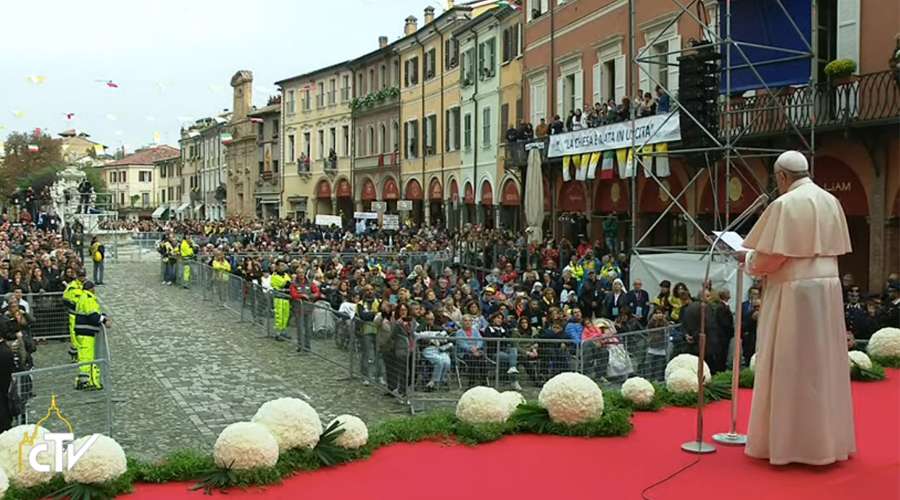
x: 245, y: 445
x: 512, y: 400
x: 480, y: 405
x: 4, y: 482
x: 885, y: 343
x: 24, y: 477
x: 687, y: 361
x: 572, y: 398
x: 753, y: 362
x: 860, y: 358
x: 355, y: 434
x: 681, y: 381
x: 293, y: 422
x: 103, y: 461
x: 638, y: 390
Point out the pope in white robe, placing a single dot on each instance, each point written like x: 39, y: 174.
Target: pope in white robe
x: 802, y: 409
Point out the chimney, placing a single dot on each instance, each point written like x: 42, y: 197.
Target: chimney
x: 382, y: 42
x: 429, y: 15
x: 410, y: 26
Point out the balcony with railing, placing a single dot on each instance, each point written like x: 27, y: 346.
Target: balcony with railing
x: 269, y: 182
x: 867, y: 100
x: 376, y: 161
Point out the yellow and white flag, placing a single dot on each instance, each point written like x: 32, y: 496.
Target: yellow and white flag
x: 662, y: 160
x: 567, y: 176
x: 626, y: 162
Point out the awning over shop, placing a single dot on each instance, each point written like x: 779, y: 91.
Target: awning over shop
x: 182, y: 208
x: 158, y: 213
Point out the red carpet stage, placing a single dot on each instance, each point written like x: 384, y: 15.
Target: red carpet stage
x: 526, y: 467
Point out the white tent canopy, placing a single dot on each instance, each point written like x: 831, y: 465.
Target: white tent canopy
x: 687, y: 268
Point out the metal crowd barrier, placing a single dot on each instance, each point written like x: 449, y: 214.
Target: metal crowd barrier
x: 51, y: 317
x: 88, y: 411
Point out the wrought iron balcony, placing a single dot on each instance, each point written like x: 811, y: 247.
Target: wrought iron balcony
x: 866, y: 100
x: 515, y: 154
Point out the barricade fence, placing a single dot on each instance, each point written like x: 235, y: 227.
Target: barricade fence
x: 423, y: 369
x: 88, y: 411
x: 51, y: 316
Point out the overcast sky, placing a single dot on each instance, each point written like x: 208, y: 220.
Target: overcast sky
x: 172, y: 59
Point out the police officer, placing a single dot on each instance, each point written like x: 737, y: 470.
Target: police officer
x: 88, y: 320
x: 71, y: 295
x: 282, y: 306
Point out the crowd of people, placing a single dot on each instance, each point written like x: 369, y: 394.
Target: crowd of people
x: 548, y: 300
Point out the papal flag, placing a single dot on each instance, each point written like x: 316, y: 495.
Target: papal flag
x: 567, y: 176
x: 662, y: 160
x: 592, y: 165
x: 647, y: 160
x: 582, y: 164
x: 606, y: 168
x: 626, y: 162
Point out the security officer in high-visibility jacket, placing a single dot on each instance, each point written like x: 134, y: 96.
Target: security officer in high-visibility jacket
x: 88, y: 321
x: 281, y: 280
x: 186, y: 252
x: 71, y: 295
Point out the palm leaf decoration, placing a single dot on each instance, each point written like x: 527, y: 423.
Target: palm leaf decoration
x: 327, y: 451
x: 531, y: 417
x: 217, y: 479
x: 873, y: 374
x: 79, y: 491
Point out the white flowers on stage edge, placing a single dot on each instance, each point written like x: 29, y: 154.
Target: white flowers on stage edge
x: 859, y: 358
x: 355, y: 434
x: 681, y: 381
x: 245, y: 445
x: 639, y: 391
x: 512, y: 399
x: 885, y: 343
x: 482, y: 405
x: 4, y: 482
x: 293, y: 422
x: 689, y: 362
x: 572, y: 398
x: 23, y: 477
x: 103, y: 461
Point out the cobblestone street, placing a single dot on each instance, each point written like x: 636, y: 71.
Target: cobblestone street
x: 183, y: 368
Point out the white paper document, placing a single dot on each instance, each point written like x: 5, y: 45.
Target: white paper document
x: 731, y: 240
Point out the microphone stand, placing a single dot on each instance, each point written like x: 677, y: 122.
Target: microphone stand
x: 698, y: 446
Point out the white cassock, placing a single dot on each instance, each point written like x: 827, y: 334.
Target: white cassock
x: 802, y: 409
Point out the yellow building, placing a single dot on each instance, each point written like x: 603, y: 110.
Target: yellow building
x: 316, y: 145
x: 430, y: 115
x: 511, y: 114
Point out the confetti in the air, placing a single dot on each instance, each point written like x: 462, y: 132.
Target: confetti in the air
x: 157, y: 137
x: 36, y: 79
x: 69, y: 116
x: 109, y: 83
x: 18, y: 114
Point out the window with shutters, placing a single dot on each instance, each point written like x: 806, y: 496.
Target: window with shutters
x: 412, y: 139
x: 504, y: 119
x: 430, y: 135
x: 537, y: 8
x: 507, y: 49
x: 451, y: 53
x: 827, y: 34
x: 467, y: 132
x: 383, y: 139
x: 487, y: 58
x: 430, y: 64
x: 321, y: 151
x: 345, y: 88
x: 411, y: 71
x: 486, y: 128
x: 384, y: 76
x: 468, y: 67
x: 370, y: 143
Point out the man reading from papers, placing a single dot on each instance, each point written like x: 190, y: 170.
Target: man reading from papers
x: 802, y: 410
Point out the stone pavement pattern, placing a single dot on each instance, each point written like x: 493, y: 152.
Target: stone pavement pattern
x: 184, y: 368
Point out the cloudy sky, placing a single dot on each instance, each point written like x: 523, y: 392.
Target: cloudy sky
x: 171, y: 59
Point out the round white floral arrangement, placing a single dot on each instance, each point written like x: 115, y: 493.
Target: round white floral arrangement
x: 638, y: 390
x: 24, y: 477
x: 293, y: 422
x: 885, y: 343
x: 689, y: 362
x: 753, y: 362
x: 355, y: 434
x: 572, y: 398
x: 481, y: 405
x: 245, y: 445
x: 4, y: 482
x: 682, y: 381
x: 512, y: 399
x: 103, y: 461
x: 859, y: 358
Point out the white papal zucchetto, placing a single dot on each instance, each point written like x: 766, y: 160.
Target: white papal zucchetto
x: 792, y: 161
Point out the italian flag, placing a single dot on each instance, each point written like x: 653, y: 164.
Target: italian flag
x: 226, y: 138
x: 256, y: 120
x: 33, y: 148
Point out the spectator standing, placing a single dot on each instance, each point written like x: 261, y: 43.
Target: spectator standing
x: 98, y: 257
x: 542, y: 130
x: 638, y: 300
x: 662, y: 101
x: 557, y: 126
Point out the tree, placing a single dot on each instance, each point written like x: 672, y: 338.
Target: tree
x: 23, y: 166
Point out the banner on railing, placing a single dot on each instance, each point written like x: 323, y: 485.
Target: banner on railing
x: 652, y: 130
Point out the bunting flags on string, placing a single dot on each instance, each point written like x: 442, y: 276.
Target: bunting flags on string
x: 662, y: 160
x: 606, y: 169
x: 592, y: 165
x: 625, y: 157
x: 580, y: 171
x: 567, y: 176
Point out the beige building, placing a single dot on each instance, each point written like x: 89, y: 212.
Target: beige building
x: 204, y: 166
x: 76, y: 146
x: 169, y: 187
x: 254, y: 175
x: 134, y: 182
x: 317, y: 143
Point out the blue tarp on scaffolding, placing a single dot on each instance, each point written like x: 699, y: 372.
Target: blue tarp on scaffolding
x: 764, y: 22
